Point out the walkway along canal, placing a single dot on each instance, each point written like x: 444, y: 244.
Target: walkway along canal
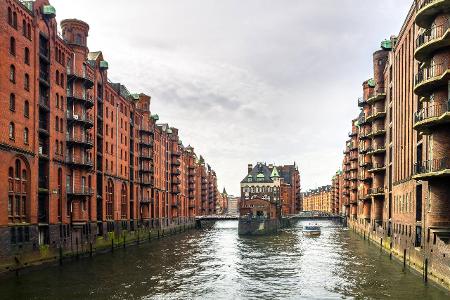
x: 217, y: 263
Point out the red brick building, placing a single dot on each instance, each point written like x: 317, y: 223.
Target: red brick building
x: 403, y: 140
x: 280, y: 184
x: 83, y: 155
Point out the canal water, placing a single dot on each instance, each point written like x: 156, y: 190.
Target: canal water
x: 218, y: 264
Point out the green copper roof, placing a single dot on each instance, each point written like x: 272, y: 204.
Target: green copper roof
x: 386, y: 45
x: 104, y: 65
x: 49, y: 11
x: 169, y: 131
x: 371, y: 82
x: 134, y: 96
x: 274, y: 173
x: 155, y: 117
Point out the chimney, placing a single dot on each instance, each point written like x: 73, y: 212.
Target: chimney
x: 250, y: 168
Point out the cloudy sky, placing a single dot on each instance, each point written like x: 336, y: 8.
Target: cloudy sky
x: 246, y: 81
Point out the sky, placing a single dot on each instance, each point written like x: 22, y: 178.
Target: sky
x: 246, y: 81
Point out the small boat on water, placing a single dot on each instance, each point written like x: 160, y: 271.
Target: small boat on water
x: 311, y: 230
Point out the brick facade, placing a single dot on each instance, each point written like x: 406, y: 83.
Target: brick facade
x: 85, y: 157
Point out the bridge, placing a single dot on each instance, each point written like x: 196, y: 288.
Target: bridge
x: 217, y: 218
x: 304, y: 215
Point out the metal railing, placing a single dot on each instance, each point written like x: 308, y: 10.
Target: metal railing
x: 431, y: 111
x: 422, y: 3
x: 79, y: 190
x: 431, y: 166
x: 427, y: 73
x: 377, y: 190
x: 433, y: 33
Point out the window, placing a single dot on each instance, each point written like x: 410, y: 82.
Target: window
x: 109, y: 199
x: 26, y: 109
x: 61, y: 127
x: 18, y: 191
x: 124, y: 200
x: 29, y: 31
x: 26, y: 82
x: 61, y: 80
x: 14, y: 20
x: 12, y: 102
x: 25, y: 136
x: 27, y: 56
x: 57, y: 100
x: 24, y: 28
x: 12, y: 74
x: 57, y: 124
x: 57, y: 77
x: 10, y: 17
x: 12, y: 131
x: 12, y: 46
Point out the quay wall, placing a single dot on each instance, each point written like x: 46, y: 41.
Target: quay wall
x: 93, y: 245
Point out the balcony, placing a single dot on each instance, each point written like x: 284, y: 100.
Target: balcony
x: 176, y: 171
x: 176, y: 162
x: 376, y: 113
x: 43, y: 127
x: 84, y: 119
x: 146, y: 169
x: 43, y: 184
x: 79, y: 191
x: 432, y: 169
x: 378, y: 95
x: 175, y: 181
x: 361, y: 101
x: 429, y: 78
x: 79, y: 162
x: 176, y: 154
x: 87, y: 101
x: 174, y: 204
x: 44, y: 103
x: 376, y: 150
x: 145, y: 144
x: 146, y: 131
x: 146, y: 156
x: 353, y: 156
x: 432, y: 116
x: 362, y: 149
x: 146, y: 181
x: 365, y: 164
x: 375, y: 192
x: 364, y: 135
x: 83, y: 141
x: 377, y: 131
x: 432, y: 39
x: 352, y: 133
x: 146, y: 201
x: 428, y: 9
x: 83, y: 77
x: 377, y: 167
x: 175, y: 190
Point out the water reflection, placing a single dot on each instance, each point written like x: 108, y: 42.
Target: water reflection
x: 218, y: 264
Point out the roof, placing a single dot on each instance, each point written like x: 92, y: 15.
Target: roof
x: 259, y: 173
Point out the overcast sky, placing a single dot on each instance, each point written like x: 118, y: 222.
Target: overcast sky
x: 246, y: 81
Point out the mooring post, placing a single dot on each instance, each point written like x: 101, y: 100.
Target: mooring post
x: 60, y: 255
x: 425, y: 271
x: 76, y: 243
x: 381, y: 244
x: 112, y: 245
x: 90, y: 249
x: 404, y: 259
x: 124, y: 241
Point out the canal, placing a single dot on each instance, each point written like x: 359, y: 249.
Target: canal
x: 217, y: 264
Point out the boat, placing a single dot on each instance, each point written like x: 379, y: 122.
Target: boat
x: 311, y: 230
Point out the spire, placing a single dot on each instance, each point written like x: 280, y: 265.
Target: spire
x: 224, y: 191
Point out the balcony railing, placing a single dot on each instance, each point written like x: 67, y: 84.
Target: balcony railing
x: 84, y: 97
x: 376, y: 191
x: 81, y: 161
x: 361, y: 101
x: 432, y: 111
x: 83, y: 117
x: 432, y: 166
x: 428, y: 73
x: 79, y: 190
x: 84, y: 76
x: 44, y: 103
x: 85, y: 140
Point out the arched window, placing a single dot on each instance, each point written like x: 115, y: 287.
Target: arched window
x: 12, y: 46
x: 14, y: 20
x: 18, y: 192
x: 61, y: 127
x: 57, y: 77
x: 27, y: 55
x: 12, y: 131
x: 57, y: 100
x: 26, y: 109
x: 12, y: 74
x: 29, y: 31
x: 25, y: 136
x: 57, y: 123
x: 78, y: 40
x: 12, y: 102
x: 62, y: 80
x: 26, y: 82
x: 61, y: 102
x: 24, y: 28
x: 10, y: 17
x: 123, y: 202
x: 110, y: 200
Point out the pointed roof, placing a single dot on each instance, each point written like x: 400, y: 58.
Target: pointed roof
x: 259, y: 173
x: 275, y: 173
